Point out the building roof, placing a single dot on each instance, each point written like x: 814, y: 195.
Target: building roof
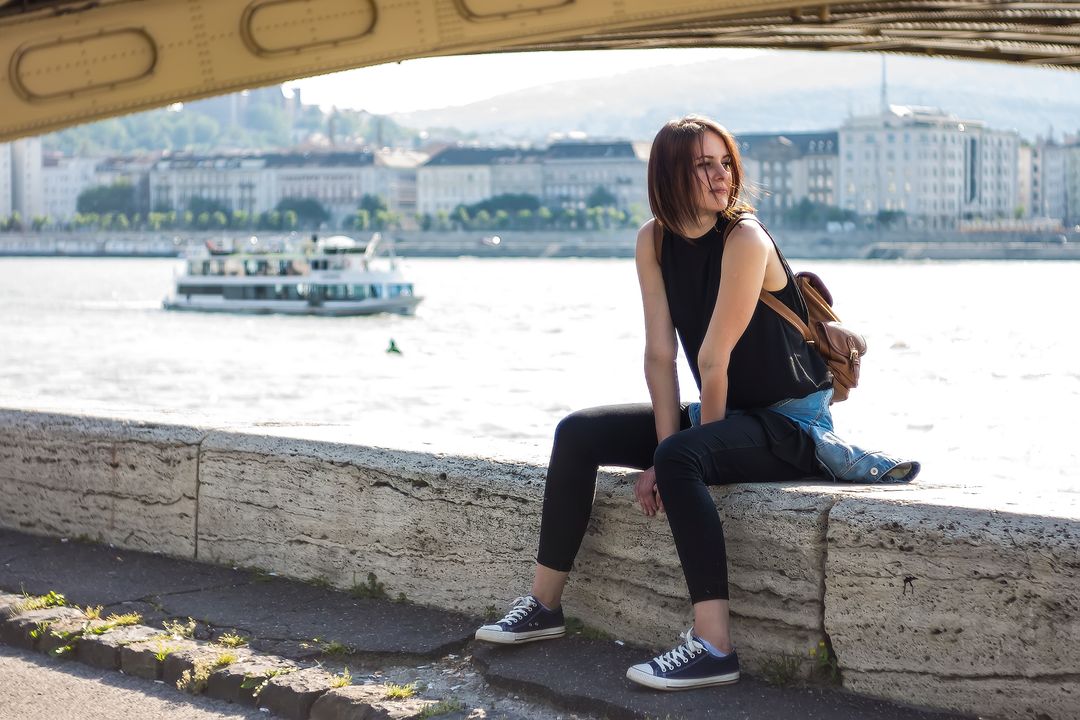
x: 481, y: 156
x: 591, y: 150
x: 345, y: 158
x: 561, y: 150
x: 807, y: 143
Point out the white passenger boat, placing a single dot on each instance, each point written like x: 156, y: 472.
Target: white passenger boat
x: 335, y: 276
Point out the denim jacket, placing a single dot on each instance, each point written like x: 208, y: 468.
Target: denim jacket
x: 840, y: 460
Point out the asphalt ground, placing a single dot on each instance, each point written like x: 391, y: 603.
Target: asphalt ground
x: 381, y: 640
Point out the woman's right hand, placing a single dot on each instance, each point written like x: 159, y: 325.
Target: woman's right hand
x: 647, y: 493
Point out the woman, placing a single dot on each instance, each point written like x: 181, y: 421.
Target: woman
x: 763, y: 415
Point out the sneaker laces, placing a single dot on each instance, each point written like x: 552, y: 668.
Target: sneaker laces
x: 681, y: 654
x: 522, y: 606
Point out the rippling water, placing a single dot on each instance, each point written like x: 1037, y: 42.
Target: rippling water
x: 973, y: 367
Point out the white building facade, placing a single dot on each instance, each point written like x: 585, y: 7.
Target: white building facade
x: 783, y: 169
x: 565, y: 174
x: 935, y: 169
x: 64, y: 179
x: 257, y: 183
x: 27, y: 183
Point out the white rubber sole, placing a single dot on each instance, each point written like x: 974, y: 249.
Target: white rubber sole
x: 659, y: 683
x: 507, y: 638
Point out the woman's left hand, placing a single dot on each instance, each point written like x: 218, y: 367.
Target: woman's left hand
x: 647, y: 493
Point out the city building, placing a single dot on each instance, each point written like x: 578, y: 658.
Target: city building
x: 574, y: 169
x: 27, y: 186
x: 254, y: 184
x: 467, y: 175
x: 5, y: 180
x: 783, y: 169
x: 564, y: 174
x: 64, y: 179
x: 928, y: 168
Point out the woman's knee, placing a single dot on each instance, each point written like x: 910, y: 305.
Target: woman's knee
x: 573, y: 428
x: 675, y: 459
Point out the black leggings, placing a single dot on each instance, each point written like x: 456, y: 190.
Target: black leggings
x: 738, y: 449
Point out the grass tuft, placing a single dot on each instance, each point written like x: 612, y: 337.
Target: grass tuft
x: 441, y: 708
x: 399, y: 692
x: 39, y: 602
x: 372, y: 590
x: 258, y: 683
x: 93, y: 613
x: 232, y: 640
x: 782, y: 670
x: 342, y: 679
x: 179, y: 629
x: 574, y: 626
x: 335, y: 649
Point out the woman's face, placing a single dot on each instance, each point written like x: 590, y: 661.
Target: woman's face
x: 712, y: 167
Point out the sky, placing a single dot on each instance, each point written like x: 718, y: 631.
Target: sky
x: 427, y: 83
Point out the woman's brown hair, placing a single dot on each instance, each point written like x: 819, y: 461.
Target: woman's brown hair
x: 674, y: 181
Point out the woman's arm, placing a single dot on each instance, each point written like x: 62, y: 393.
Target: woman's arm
x: 746, y: 253
x: 660, y: 348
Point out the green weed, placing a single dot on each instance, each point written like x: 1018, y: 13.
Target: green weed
x: 575, y: 626
x: 232, y: 640
x: 372, y: 590
x: 195, y: 679
x: 39, y: 602
x: 399, y: 692
x: 179, y: 629
x: 782, y: 670
x: 342, y: 679
x: 441, y: 708
x: 826, y: 669
x: 258, y: 683
x: 335, y: 649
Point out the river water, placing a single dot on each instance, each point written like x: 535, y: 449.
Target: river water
x: 973, y: 367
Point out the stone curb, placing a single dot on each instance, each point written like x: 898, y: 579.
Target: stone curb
x: 297, y: 693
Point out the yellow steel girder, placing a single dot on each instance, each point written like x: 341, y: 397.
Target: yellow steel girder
x: 73, y: 61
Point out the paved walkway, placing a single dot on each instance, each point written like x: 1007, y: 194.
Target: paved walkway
x: 318, y: 632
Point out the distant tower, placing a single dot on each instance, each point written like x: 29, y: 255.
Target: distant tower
x: 884, y: 88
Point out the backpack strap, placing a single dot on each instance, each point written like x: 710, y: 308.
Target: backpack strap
x: 785, y: 312
x: 767, y: 297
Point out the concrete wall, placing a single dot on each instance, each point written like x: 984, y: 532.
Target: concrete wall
x: 966, y: 609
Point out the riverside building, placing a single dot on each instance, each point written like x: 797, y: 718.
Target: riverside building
x: 564, y: 174
x: 783, y: 169
x: 931, y: 169
x: 257, y: 183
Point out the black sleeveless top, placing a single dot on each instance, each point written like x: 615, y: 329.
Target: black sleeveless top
x: 771, y: 361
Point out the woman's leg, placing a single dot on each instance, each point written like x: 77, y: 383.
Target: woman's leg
x: 734, y: 450
x: 621, y: 435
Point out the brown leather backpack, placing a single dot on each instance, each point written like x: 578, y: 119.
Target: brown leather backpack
x: 841, y: 347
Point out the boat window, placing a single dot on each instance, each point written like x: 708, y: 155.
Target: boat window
x: 198, y: 289
x: 358, y: 292
x: 376, y: 291
x: 401, y: 289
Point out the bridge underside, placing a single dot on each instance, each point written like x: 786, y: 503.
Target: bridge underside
x: 71, y: 62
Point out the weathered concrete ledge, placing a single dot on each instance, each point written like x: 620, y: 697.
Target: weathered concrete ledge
x: 962, y: 608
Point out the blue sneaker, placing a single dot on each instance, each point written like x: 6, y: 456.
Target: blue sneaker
x: 528, y: 620
x: 689, y: 665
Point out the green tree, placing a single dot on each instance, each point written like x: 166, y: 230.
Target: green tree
x: 115, y: 198
x: 373, y: 204
x: 524, y: 219
x: 199, y: 205
x: 309, y: 212
x: 601, y: 197
x: 545, y: 217
x: 120, y: 222
x: 289, y: 220
x: 219, y: 220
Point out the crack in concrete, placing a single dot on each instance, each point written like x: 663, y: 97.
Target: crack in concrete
x: 198, y: 486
